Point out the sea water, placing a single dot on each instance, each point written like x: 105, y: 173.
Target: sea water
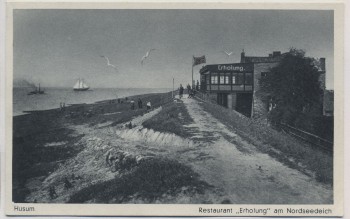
x: 52, y: 98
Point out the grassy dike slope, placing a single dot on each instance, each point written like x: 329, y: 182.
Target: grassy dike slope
x: 162, y: 179
x: 44, y: 140
x: 171, y: 119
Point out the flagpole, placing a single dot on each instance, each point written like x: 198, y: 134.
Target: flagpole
x: 192, y: 71
x: 172, y: 93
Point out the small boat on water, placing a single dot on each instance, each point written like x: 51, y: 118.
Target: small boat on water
x: 80, y: 86
x: 36, y: 91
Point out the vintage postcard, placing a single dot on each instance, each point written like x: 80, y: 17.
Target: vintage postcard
x: 174, y: 109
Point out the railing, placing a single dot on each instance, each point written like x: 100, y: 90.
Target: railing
x: 308, y: 137
x: 204, y: 96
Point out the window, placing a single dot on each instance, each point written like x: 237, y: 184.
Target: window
x: 248, y: 78
x: 234, y: 79
x: 214, y: 79
x: 227, y: 79
x: 222, y: 79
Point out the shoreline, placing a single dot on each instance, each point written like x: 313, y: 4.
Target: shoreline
x: 24, y: 104
x: 28, y: 112
x: 44, y: 140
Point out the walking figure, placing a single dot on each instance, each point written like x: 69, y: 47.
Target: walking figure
x: 191, y: 93
x: 189, y: 90
x: 181, y: 91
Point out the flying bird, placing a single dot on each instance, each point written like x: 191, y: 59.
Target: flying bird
x: 109, y: 64
x: 228, y: 53
x: 146, y: 56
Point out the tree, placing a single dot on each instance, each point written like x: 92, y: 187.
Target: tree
x: 292, y: 87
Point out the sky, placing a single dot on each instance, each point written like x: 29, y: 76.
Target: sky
x: 56, y: 47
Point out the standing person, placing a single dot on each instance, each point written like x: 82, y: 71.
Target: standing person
x: 181, y: 91
x: 189, y: 90
x: 132, y: 104
x: 197, y: 85
x: 149, y: 106
x: 139, y: 102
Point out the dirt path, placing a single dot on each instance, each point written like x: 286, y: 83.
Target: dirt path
x: 242, y: 173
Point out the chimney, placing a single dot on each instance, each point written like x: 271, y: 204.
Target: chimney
x: 242, y: 56
x: 323, y: 64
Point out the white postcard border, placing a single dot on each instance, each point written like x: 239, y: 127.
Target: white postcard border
x: 177, y: 209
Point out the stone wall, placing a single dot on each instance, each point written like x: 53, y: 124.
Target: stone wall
x: 322, y: 80
x: 260, y: 108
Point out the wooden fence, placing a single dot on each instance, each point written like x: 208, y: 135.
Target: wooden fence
x: 308, y: 137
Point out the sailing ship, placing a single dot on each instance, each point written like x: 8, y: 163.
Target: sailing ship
x: 37, y: 91
x: 80, y: 86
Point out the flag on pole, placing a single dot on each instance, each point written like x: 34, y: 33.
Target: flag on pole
x: 198, y: 60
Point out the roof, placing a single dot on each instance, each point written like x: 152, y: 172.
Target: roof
x: 255, y: 59
x: 276, y: 56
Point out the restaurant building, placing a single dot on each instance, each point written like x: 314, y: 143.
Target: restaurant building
x: 236, y: 85
x: 231, y: 85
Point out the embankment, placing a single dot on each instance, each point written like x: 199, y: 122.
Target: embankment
x: 282, y: 147
x: 44, y: 140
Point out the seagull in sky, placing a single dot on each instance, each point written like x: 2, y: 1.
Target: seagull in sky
x: 146, y: 56
x: 109, y: 64
x: 228, y: 53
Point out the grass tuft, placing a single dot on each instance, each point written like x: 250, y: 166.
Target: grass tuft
x: 171, y: 119
x: 149, y: 182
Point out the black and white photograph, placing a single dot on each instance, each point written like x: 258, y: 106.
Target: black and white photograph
x: 206, y: 107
